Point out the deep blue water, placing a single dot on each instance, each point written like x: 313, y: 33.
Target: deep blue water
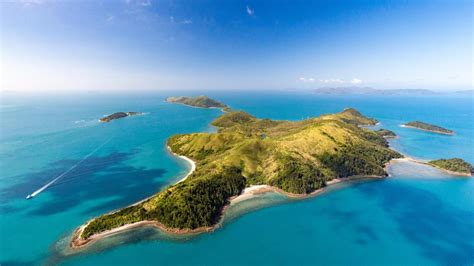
x: 419, y: 216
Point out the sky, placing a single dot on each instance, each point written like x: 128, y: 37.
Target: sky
x: 86, y: 45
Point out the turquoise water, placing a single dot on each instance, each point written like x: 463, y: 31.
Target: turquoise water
x: 419, y: 216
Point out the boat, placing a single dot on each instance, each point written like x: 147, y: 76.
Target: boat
x: 29, y: 197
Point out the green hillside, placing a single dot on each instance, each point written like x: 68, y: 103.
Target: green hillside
x: 295, y: 156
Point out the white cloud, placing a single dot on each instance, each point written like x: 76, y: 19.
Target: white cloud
x: 340, y: 81
x: 307, y: 80
x: 329, y: 81
x: 110, y: 18
x: 29, y: 3
x: 186, y: 21
x: 250, y: 11
x: 145, y: 3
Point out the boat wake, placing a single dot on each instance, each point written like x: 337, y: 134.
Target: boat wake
x: 41, y: 189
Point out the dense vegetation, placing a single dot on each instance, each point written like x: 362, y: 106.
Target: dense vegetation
x: 358, y: 160
x: 429, y: 127
x: 125, y: 216
x: 198, y: 202
x: 455, y: 165
x: 296, y: 176
x: 199, y: 101
x: 186, y: 205
x: 296, y: 156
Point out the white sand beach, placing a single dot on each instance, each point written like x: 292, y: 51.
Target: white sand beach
x: 191, y: 162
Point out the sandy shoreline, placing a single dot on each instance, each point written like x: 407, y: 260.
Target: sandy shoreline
x: 413, y: 160
x: 187, y: 159
x: 193, y: 168
x: 251, y: 191
x: 191, y: 162
x: 77, y: 242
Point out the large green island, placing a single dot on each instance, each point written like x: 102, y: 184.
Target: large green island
x: 428, y: 127
x: 297, y: 158
x: 198, y: 101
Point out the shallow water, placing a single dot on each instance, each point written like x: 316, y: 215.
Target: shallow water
x: 418, y: 216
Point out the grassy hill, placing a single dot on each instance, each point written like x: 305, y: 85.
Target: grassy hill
x: 295, y: 156
x: 199, y: 101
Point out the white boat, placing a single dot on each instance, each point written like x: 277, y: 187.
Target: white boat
x: 29, y: 197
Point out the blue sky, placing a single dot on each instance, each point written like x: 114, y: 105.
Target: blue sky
x: 164, y: 45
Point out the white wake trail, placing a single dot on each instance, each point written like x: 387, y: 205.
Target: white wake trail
x: 68, y: 170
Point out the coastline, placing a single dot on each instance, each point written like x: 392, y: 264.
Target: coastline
x: 449, y: 171
x: 193, y: 168
x: 187, y: 159
x: 410, y: 159
x: 427, y: 130
x: 77, y: 242
x: 248, y: 192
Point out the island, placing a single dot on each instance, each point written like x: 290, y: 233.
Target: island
x: 455, y: 166
x: 355, y: 90
x: 199, y: 101
x: 117, y: 115
x: 428, y: 127
x: 296, y: 158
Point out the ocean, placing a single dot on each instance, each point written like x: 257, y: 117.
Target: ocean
x: 418, y: 216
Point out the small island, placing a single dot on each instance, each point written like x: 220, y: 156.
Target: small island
x: 199, y: 101
x: 117, y: 115
x: 296, y: 158
x: 455, y: 166
x: 428, y: 127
